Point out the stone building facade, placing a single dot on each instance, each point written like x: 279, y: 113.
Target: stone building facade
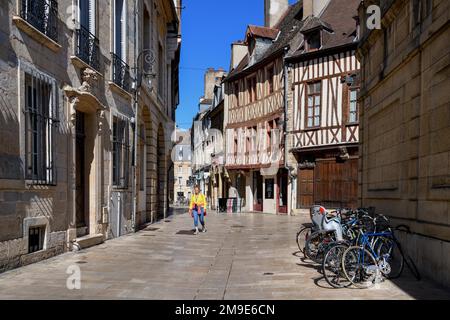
x: 182, y: 163
x: 159, y: 25
x: 255, y: 110
x: 201, y: 144
x: 405, y: 125
x: 68, y: 122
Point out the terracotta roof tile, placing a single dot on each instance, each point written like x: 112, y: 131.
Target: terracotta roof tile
x: 289, y: 27
x: 262, y: 32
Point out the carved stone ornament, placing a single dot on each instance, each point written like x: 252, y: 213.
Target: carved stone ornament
x: 73, y: 112
x: 88, y: 76
x: 101, y: 121
x: 306, y: 165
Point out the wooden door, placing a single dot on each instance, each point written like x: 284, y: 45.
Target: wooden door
x: 336, y: 184
x: 305, y: 188
x: 80, y: 172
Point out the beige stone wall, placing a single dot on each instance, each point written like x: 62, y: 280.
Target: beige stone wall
x: 405, y: 130
x: 22, y: 205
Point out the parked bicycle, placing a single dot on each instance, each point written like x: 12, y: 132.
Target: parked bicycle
x: 354, y: 247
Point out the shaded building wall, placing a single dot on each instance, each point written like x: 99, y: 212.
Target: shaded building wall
x: 405, y: 127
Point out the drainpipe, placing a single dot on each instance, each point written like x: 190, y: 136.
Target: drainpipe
x: 136, y: 118
x: 285, y: 127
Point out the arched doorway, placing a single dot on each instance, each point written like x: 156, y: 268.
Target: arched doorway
x: 161, y: 174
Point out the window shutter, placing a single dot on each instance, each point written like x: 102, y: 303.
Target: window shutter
x: 84, y: 13
x: 92, y: 16
x: 120, y: 29
x: 124, y: 31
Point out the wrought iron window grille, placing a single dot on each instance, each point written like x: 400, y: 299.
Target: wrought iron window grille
x: 41, y: 121
x: 43, y: 15
x: 88, y: 47
x: 120, y: 72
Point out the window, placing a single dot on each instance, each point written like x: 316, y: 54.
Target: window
x: 269, y: 137
x: 121, y: 149
x: 254, y: 140
x: 313, y: 104
x: 353, y: 108
x: 36, y: 236
x: 87, y: 44
x: 251, y: 85
x: 43, y: 15
x: 40, y: 122
x: 248, y: 141
x: 120, y: 29
x: 120, y: 69
x: 313, y: 41
x: 270, y: 75
x: 87, y: 18
x: 160, y: 71
x: 236, y: 93
x: 235, y: 143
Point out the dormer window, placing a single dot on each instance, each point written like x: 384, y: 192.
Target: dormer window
x: 313, y: 40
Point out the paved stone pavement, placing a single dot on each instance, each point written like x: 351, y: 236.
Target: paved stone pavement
x: 247, y: 256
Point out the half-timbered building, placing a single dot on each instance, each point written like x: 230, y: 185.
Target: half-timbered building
x: 323, y: 113
x: 254, y: 111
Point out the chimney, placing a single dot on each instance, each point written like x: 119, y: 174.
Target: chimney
x: 273, y: 11
x: 314, y: 7
x: 238, y: 52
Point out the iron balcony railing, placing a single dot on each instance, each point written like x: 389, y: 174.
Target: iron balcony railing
x: 88, y: 47
x: 120, y: 72
x: 43, y: 15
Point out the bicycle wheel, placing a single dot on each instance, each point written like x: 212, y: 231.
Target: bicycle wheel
x: 391, y: 259
x: 360, y: 267
x: 316, y: 245
x: 332, y: 267
x: 302, y: 236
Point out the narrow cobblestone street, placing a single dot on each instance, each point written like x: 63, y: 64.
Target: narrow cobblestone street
x: 246, y: 256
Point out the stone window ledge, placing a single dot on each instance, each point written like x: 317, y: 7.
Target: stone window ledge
x: 80, y: 64
x: 114, y: 87
x: 36, y: 34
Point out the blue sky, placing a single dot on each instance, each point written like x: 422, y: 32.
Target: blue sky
x: 208, y: 29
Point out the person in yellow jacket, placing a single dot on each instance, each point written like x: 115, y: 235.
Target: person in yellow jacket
x: 197, y: 209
